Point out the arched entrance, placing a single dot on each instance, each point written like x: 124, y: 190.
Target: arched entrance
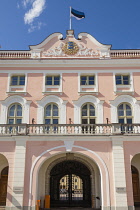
x: 135, y: 171
x: 3, y: 186
x: 135, y: 183
x: 70, y: 185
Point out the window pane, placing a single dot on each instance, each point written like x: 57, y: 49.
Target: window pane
x: 118, y: 80
x: 22, y: 80
x: 47, y: 121
x: 18, y: 121
x: 48, y: 80
x: 91, y: 80
x: 84, y: 121
x: 83, y: 80
x: 55, y: 121
x: 92, y: 110
x: 126, y: 80
x: 92, y: 121
x: 56, y: 80
x: 129, y: 121
x: 121, y: 121
x: 121, y: 106
x: 84, y: 112
x: 14, y: 80
x: 19, y: 110
x: 11, y: 111
x: 11, y: 121
x: 55, y: 110
x: 121, y: 110
x: 121, y: 113
x: 128, y: 112
x: 48, y: 110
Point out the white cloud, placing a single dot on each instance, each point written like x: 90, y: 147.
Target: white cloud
x: 37, y: 8
x: 34, y: 27
x: 25, y: 2
x: 18, y: 5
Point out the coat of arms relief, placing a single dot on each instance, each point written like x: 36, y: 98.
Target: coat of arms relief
x: 71, y: 49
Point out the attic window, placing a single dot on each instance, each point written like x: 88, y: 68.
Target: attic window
x: 18, y: 80
x: 88, y: 80
x: 52, y: 80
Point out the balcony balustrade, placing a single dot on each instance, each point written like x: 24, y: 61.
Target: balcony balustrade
x: 70, y: 129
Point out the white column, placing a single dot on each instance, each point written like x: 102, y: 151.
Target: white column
x: 119, y: 174
x: 19, y: 169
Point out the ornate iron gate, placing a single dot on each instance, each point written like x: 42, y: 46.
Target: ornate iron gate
x: 70, y: 185
x: 71, y: 188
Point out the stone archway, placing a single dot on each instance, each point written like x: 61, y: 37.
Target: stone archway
x: 135, y: 171
x: 135, y: 184
x: 52, y: 154
x: 95, y: 178
x: 4, y: 168
x: 3, y: 186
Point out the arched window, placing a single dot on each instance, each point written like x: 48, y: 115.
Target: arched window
x: 15, y: 114
x: 125, y: 114
x: 88, y: 114
x: 51, y: 114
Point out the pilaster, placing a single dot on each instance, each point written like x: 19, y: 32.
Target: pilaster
x: 119, y: 173
x: 19, y: 169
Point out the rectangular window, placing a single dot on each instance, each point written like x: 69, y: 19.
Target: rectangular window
x: 18, y: 80
x: 88, y: 80
x: 52, y: 80
x: 122, y: 79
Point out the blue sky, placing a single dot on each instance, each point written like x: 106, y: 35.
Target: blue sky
x: 29, y: 22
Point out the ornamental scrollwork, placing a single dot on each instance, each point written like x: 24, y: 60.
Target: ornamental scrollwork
x: 71, y: 49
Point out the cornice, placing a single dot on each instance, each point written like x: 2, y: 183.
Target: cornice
x: 70, y: 63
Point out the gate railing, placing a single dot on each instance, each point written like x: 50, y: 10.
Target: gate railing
x: 69, y: 129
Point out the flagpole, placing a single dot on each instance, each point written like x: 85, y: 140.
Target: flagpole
x: 70, y: 18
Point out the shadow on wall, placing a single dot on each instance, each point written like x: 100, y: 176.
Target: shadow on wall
x: 13, y: 200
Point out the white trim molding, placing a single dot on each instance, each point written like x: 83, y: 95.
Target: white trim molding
x: 54, y: 88
x: 88, y: 99
x: 16, y: 88
x: 51, y: 99
x: 99, y: 163
x: 123, y: 88
x: 89, y: 88
x: 125, y: 99
x: 11, y: 100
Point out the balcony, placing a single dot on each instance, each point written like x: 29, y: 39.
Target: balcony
x: 70, y: 129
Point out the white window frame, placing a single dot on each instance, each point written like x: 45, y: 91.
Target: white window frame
x: 87, y: 80
x: 58, y: 87
x: 125, y: 117
x: 12, y: 100
x: 51, y: 99
x: 10, y: 87
x: 15, y: 117
x: 88, y: 99
x: 88, y: 117
x: 130, y: 87
x: 125, y: 99
x: 51, y: 117
x: 94, y: 87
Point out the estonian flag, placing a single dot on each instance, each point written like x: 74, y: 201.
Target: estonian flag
x: 78, y: 15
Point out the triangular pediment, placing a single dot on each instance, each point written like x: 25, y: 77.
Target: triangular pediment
x: 85, y: 46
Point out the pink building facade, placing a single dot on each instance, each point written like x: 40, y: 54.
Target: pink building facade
x: 69, y: 113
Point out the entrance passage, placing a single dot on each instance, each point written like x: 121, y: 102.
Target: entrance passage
x: 70, y: 185
x: 135, y: 182
x: 3, y: 186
